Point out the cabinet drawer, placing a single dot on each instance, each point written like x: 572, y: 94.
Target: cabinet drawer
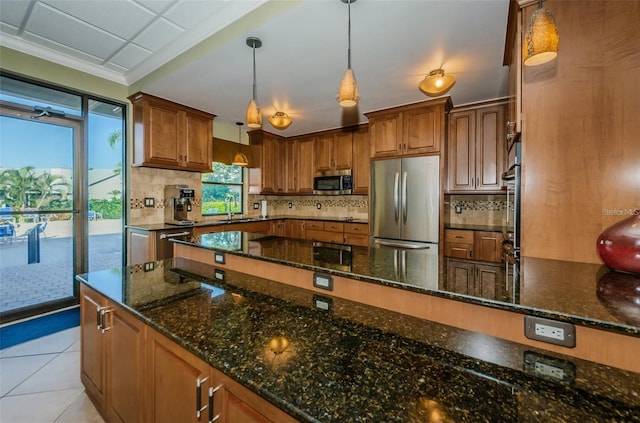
x: 356, y: 228
x: 356, y: 239
x: 334, y: 226
x: 454, y: 249
x: 314, y: 225
x: 459, y: 236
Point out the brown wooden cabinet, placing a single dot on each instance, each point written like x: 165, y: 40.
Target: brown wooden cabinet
x: 476, y: 148
x: 268, y: 172
x: 333, y: 151
x: 112, y: 353
x: 416, y: 129
x: 513, y: 59
x: 325, y: 231
x: 476, y: 245
x: 172, y: 377
x: 295, y: 228
x: 171, y: 136
x: 356, y: 234
x: 478, y: 279
x: 302, y: 165
x: 277, y: 227
x: 361, y: 161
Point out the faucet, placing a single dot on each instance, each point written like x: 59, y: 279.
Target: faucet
x: 229, y: 213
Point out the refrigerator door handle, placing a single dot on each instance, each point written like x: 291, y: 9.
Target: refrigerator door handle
x: 404, y: 197
x: 395, y: 263
x: 404, y: 244
x: 403, y: 264
x: 396, y: 193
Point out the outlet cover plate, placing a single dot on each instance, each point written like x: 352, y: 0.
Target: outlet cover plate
x: 550, y: 331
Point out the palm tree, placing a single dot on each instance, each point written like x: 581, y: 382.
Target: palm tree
x: 115, y: 193
x: 47, y: 184
x: 16, y: 184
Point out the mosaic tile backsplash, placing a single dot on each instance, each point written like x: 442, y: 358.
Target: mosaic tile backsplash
x: 150, y: 183
x: 476, y: 209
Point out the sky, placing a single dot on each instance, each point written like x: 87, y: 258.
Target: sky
x: 42, y: 145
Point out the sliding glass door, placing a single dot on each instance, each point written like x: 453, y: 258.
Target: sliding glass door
x: 61, y: 192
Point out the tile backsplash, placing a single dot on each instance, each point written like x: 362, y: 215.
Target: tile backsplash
x: 480, y: 209
x: 355, y: 206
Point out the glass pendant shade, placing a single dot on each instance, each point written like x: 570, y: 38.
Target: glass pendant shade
x: 280, y: 120
x: 348, y: 92
x: 254, y: 118
x: 541, y: 39
x: 240, y: 160
x: 437, y: 83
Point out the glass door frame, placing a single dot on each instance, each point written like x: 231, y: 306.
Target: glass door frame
x: 80, y: 227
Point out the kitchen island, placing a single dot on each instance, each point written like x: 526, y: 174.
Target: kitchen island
x: 322, y: 358
x: 372, y: 278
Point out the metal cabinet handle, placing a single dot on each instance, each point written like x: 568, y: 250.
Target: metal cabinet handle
x: 99, y: 317
x: 212, y: 391
x: 163, y: 236
x: 103, y: 324
x: 199, y: 407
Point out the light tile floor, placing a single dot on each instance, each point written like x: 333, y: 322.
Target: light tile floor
x: 40, y: 382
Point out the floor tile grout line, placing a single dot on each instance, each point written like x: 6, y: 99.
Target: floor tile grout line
x: 29, y: 376
x: 82, y: 392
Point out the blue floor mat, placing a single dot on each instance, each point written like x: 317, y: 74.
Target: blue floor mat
x: 18, y: 333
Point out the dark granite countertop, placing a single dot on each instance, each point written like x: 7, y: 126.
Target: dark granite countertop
x: 469, y: 227
x: 356, y: 363
x: 579, y: 293
x: 238, y: 219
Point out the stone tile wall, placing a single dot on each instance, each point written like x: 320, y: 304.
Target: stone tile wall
x: 476, y: 209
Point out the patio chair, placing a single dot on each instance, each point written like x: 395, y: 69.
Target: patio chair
x: 42, y: 228
x: 7, y: 232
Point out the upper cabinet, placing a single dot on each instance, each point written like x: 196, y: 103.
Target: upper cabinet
x: 301, y: 165
x: 411, y: 130
x: 513, y: 59
x: 171, y: 136
x: 361, y: 160
x: 267, y: 174
x: 333, y: 151
x: 476, y: 147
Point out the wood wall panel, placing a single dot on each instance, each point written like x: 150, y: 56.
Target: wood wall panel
x: 608, y: 348
x: 581, y: 153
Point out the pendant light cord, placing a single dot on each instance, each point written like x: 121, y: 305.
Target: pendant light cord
x: 254, y: 72
x: 349, y: 29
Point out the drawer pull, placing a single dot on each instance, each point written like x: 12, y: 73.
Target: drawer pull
x: 458, y: 236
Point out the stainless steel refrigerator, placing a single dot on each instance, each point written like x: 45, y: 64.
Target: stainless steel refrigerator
x: 404, y: 218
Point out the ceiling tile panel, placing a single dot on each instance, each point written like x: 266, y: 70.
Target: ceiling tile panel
x: 158, y: 34
x: 130, y: 56
x: 158, y: 6
x: 46, y: 23
x: 13, y: 11
x: 62, y: 49
x: 191, y: 12
x: 8, y: 29
x: 123, y: 18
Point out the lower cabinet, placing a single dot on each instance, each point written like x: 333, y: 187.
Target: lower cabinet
x: 132, y: 373
x: 112, y: 353
x: 478, y: 279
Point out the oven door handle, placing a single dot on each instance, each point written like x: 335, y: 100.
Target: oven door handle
x: 177, y: 234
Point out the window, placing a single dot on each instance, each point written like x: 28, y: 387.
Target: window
x: 222, y: 189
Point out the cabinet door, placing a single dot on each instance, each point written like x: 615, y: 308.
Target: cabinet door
x: 269, y: 165
x: 385, y: 132
x: 323, y: 153
x: 172, y: 376
x: 343, y: 151
x: 198, y: 138
x: 92, y: 346
x: 288, y: 167
x: 421, y: 131
x: 361, y: 162
x: 489, y: 148
x: 488, y: 246
x: 276, y: 227
x: 514, y: 107
x: 280, y: 166
x: 294, y: 229
x: 125, y: 368
x: 162, y: 134
x: 141, y: 246
x: 461, y: 151
x: 460, y: 276
x: 304, y: 160
x: 489, y: 281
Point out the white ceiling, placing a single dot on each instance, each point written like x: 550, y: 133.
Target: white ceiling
x: 395, y: 43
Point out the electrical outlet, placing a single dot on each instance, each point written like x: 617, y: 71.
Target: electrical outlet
x: 551, y: 331
x: 290, y: 204
x: 318, y: 206
x: 256, y: 206
x: 149, y: 202
x: 458, y: 209
x: 549, y: 368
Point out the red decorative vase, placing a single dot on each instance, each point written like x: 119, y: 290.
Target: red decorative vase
x: 619, y: 244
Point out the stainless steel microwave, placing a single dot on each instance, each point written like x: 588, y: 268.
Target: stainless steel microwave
x: 334, y: 182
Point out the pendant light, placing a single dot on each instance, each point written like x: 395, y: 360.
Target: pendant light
x: 240, y: 159
x: 437, y: 83
x: 541, y: 39
x: 254, y: 118
x: 280, y: 120
x: 348, y: 91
